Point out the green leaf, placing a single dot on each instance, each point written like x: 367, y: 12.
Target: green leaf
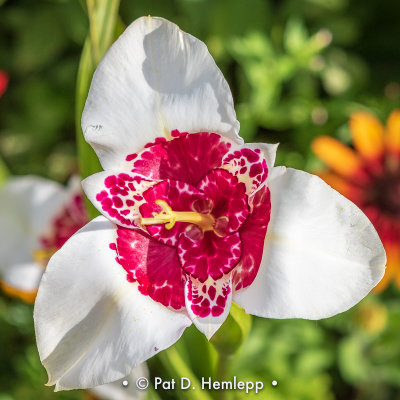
x: 103, y: 17
x: 4, y: 172
x: 296, y: 36
x: 353, y: 364
x: 88, y: 161
x: 202, y: 357
x: 242, y: 319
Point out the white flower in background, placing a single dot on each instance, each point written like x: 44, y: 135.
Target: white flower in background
x: 193, y: 219
x: 36, y: 217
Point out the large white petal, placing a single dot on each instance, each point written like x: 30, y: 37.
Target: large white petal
x: 27, y: 206
x: 92, y: 325
x: 154, y: 79
x: 322, y: 255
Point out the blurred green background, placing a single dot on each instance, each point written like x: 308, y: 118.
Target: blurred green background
x: 297, y: 69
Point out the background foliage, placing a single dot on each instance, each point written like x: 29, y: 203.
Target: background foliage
x: 297, y: 69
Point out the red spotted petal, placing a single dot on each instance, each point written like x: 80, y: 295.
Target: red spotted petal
x: 249, y: 166
x: 252, y: 236
x: 187, y: 158
x: 147, y: 162
x: 121, y: 197
x: 208, y: 298
x: 180, y: 197
x: 153, y: 265
x: 229, y: 198
x: 208, y: 303
x: 210, y: 255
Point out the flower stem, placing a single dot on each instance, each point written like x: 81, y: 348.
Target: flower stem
x: 4, y: 172
x: 227, y: 341
x: 175, y: 364
x: 221, y: 372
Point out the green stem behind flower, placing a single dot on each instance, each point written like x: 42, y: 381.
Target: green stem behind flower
x: 152, y: 394
x: 222, y: 372
x: 176, y: 366
x: 227, y: 340
x: 4, y: 172
x: 103, y: 20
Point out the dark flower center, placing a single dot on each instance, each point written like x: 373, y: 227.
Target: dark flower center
x: 385, y: 193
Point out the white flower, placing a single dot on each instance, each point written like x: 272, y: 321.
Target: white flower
x: 36, y: 217
x: 193, y: 220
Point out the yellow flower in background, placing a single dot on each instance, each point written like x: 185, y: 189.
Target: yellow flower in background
x: 369, y: 176
x: 371, y: 316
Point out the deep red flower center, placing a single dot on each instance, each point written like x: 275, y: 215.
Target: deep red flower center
x: 193, y: 212
x: 199, y: 221
x: 385, y: 193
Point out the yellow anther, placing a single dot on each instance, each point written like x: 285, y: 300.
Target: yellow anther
x: 169, y: 217
x: 42, y: 256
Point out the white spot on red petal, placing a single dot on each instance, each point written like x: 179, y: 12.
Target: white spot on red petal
x: 208, y: 298
x: 249, y: 166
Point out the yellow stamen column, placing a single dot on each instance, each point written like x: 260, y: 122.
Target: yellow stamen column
x: 169, y: 217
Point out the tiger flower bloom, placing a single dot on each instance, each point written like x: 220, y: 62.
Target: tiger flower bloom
x: 192, y: 219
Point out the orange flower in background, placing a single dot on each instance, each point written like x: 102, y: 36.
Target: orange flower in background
x: 370, y: 177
